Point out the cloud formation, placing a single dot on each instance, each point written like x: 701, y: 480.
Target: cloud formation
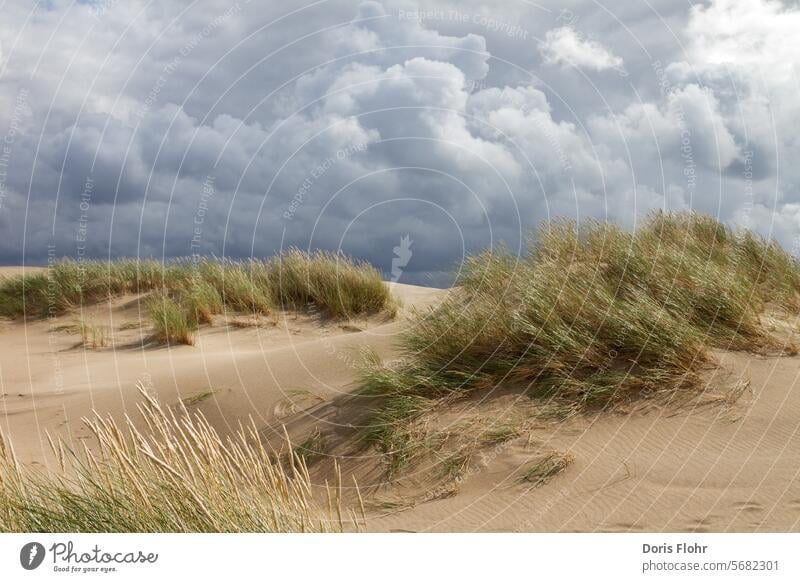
x: 240, y: 129
x: 564, y: 46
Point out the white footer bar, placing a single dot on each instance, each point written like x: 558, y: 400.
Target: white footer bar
x: 389, y: 557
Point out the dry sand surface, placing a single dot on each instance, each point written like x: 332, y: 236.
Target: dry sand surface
x: 718, y: 466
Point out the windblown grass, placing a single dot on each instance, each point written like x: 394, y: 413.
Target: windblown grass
x: 92, y: 335
x: 546, y: 467
x: 68, y: 284
x: 203, y: 302
x: 178, y: 477
x: 171, y: 322
x: 339, y: 285
x: 342, y: 286
x: 590, y: 317
x: 237, y: 286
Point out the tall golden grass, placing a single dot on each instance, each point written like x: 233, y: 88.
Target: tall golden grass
x: 177, y: 476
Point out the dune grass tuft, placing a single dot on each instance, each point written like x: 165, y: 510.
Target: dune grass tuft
x: 592, y: 315
x: 180, y: 476
x: 236, y: 285
x: 338, y: 285
x: 171, y: 322
x: 540, y: 471
x: 342, y: 286
x: 202, y: 302
x: 92, y: 335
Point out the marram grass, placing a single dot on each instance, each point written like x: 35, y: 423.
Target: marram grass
x: 591, y: 316
x: 172, y: 322
x: 336, y: 284
x: 177, y: 476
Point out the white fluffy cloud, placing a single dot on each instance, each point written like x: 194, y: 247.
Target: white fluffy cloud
x: 756, y: 33
x: 391, y: 37
x: 743, y: 53
x: 564, y: 46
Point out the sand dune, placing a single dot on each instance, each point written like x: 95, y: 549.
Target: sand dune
x: 712, y: 466
x: 715, y: 468
x: 244, y: 367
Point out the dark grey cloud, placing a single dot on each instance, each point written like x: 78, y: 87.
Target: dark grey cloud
x: 161, y: 129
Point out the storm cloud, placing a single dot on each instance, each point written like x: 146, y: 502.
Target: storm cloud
x: 165, y: 129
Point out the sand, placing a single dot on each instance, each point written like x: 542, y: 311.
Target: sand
x: 718, y: 466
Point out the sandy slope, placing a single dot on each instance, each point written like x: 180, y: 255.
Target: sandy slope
x: 262, y: 369
x: 714, y: 467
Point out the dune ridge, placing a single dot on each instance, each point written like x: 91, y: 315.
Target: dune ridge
x: 697, y: 469
x: 717, y: 454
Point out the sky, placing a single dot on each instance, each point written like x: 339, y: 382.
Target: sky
x: 406, y: 134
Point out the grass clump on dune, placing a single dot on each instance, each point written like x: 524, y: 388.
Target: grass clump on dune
x: 24, y: 295
x: 546, y: 467
x: 592, y: 315
x: 68, y: 284
x: 338, y: 285
x: 179, y: 477
x: 341, y: 285
x: 92, y: 336
x: 236, y: 285
x: 203, y: 302
x: 171, y: 321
